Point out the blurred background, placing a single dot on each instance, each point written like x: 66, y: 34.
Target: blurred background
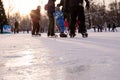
x: 101, y: 11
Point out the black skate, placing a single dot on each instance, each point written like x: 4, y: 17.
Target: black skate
x: 84, y: 35
x: 63, y: 35
x: 52, y: 36
x: 72, y: 35
x: 38, y: 34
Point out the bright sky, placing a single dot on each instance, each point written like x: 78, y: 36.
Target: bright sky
x: 106, y: 1
x: 25, y: 6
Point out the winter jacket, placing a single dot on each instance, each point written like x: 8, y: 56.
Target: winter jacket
x: 71, y: 3
x: 51, y: 6
x: 35, y: 15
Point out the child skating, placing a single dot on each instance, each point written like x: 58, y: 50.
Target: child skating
x: 60, y: 21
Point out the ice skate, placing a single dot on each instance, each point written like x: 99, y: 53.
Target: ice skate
x: 72, y: 35
x: 52, y: 36
x: 85, y: 35
x: 63, y: 35
x: 38, y: 34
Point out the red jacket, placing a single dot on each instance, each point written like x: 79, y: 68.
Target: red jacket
x: 66, y: 23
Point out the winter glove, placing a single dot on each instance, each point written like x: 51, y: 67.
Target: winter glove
x: 87, y: 5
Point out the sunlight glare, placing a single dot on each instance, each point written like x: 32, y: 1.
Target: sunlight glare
x: 25, y: 6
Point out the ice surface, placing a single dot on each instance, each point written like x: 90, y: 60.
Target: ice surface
x: 23, y: 57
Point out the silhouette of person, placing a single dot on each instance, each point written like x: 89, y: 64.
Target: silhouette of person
x: 35, y: 16
x: 76, y: 9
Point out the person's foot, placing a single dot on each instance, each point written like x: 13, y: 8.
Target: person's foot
x: 63, y: 35
x: 38, y: 34
x: 53, y: 36
x: 84, y: 35
x: 48, y: 34
x: 72, y: 35
x: 33, y: 34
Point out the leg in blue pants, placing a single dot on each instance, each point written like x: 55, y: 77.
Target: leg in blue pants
x: 60, y: 23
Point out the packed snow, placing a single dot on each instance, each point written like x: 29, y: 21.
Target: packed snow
x: 26, y: 57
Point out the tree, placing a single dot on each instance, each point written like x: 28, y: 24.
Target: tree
x: 97, y: 13
x: 3, y: 19
x: 115, y: 11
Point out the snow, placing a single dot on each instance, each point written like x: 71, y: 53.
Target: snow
x: 26, y: 57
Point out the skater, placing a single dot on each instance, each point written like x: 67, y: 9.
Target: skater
x: 76, y: 9
x: 60, y: 21
x: 35, y: 16
x: 50, y: 7
x: 16, y: 29
x: 114, y: 28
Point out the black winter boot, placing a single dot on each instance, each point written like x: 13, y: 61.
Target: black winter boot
x: 85, y: 35
x: 63, y: 35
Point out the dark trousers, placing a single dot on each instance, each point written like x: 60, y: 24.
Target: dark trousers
x: 1, y: 29
x: 16, y: 29
x: 77, y: 11
x: 51, y: 25
x: 36, y: 28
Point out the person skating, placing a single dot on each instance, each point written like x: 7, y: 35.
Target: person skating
x: 35, y: 16
x: 50, y: 7
x: 16, y: 29
x: 76, y: 9
x: 60, y: 21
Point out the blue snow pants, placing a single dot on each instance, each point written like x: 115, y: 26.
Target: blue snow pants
x: 60, y: 23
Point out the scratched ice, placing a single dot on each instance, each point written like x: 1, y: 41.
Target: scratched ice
x: 23, y: 57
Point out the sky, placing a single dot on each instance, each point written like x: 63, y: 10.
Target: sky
x: 25, y: 6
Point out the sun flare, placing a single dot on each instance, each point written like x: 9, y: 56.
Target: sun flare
x: 24, y: 6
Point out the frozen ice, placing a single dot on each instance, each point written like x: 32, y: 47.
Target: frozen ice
x: 24, y: 57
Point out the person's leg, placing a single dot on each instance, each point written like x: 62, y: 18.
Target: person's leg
x: 73, y: 16
x: 33, y: 30
x: 49, y: 33
x: 51, y: 25
x: 1, y: 29
x: 82, y: 27
x: 37, y: 28
x: 17, y: 30
x: 61, y: 25
x: 81, y: 18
